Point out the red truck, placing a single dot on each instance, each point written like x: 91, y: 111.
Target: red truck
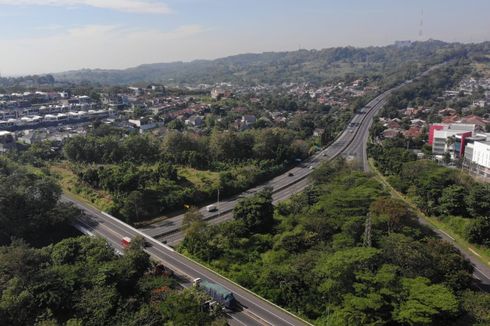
x: 125, y: 242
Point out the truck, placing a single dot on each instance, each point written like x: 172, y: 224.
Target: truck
x: 211, y: 208
x: 217, y: 292
x: 125, y: 242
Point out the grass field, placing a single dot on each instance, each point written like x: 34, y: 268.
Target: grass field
x: 71, y: 185
x: 203, y: 180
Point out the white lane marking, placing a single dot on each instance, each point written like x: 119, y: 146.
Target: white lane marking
x: 145, y: 236
x: 257, y: 318
x: 474, y: 252
x: 83, y: 229
x: 481, y: 272
x: 236, y: 320
x: 187, y: 265
x: 446, y: 234
x: 214, y: 277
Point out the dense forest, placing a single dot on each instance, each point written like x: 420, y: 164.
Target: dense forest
x: 312, y: 255
x: 29, y: 207
x: 145, y: 175
x: 312, y: 66
x: 49, y: 278
x: 448, y: 194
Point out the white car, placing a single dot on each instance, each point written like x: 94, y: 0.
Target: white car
x: 211, y: 208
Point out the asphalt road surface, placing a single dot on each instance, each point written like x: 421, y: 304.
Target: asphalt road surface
x: 256, y: 311
x: 351, y: 144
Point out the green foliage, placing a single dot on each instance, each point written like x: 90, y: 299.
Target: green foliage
x: 110, y: 149
x: 81, y: 281
x: 256, y: 212
x: 313, y: 263
x: 185, y: 308
x: 29, y: 207
x: 313, y: 66
x: 479, y: 231
x: 390, y: 159
x: 477, y: 303
x: 478, y: 200
x: 139, y: 172
x: 452, y: 201
x: 458, y: 200
x: 424, y: 304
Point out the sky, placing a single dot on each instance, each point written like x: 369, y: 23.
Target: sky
x: 47, y: 36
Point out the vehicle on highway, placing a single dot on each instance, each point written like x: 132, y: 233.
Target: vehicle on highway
x: 290, y: 174
x: 125, y: 242
x: 217, y: 292
x: 211, y: 208
x: 311, y: 167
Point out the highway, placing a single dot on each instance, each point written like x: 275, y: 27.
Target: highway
x: 256, y: 310
x: 351, y: 144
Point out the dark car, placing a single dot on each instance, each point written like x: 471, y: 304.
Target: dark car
x: 290, y: 174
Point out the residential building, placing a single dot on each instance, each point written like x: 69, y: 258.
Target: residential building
x: 248, y: 120
x: 7, y: 141
x: 195, y: 121
x: 145, y: 124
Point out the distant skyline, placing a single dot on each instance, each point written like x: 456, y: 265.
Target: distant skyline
x: 47, y: 36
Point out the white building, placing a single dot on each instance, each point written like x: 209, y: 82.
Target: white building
x: 481, y: 158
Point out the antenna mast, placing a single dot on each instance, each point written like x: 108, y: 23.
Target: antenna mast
x: 421, y: 30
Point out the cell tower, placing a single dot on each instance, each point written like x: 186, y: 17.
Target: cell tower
x: 421, y: 27
x: 367, y: 231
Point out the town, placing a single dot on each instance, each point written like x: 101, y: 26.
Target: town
x: 231, y: 163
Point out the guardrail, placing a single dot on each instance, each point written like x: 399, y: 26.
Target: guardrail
x: 295, y: 181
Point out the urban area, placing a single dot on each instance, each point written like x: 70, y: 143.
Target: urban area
x: 344, y: 185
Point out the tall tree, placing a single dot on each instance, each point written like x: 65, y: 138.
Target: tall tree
x: 256, y: 212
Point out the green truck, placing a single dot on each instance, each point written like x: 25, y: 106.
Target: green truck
x: 217, y: 292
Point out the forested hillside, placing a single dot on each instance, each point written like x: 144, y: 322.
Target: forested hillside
x: 312, y: 66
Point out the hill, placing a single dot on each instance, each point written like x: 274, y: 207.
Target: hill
x: 315, y: 66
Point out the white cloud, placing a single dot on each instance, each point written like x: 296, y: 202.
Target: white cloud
x: 134, y: 6
x: 99, y: 46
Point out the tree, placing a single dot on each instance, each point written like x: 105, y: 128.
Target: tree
x: 424, y: 304
x: 479, y: 231
x: 133, y: 208
x: 186, y: 308
x: 337, y: 270
x: 256, y: 212
x: 394, y: 211
x: 478, y: 200
x: 192, y: 216
x: 452, y: 201
x: 29, y: 208
x: 476, y: 304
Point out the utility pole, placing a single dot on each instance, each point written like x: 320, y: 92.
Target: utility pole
x: 219, y: 211
x: 367, y: 231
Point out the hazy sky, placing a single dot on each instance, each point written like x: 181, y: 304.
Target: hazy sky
x: 40, y: 36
